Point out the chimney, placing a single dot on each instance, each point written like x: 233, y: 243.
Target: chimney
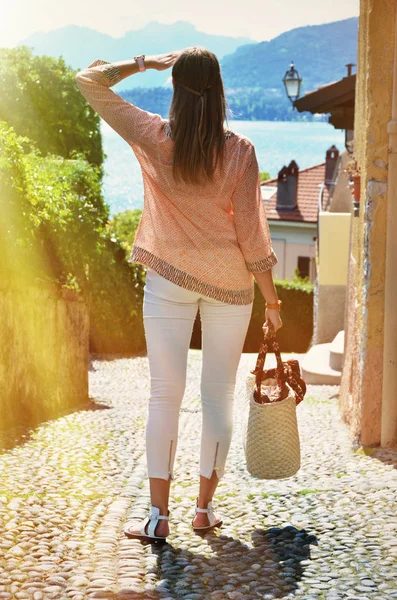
x: 287, y: 187
x: 331, y: 159
x: 350, y: 68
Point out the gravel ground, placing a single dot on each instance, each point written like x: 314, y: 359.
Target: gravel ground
x: 329, y: 532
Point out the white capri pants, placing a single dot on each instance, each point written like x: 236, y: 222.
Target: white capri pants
x: 169, y: 312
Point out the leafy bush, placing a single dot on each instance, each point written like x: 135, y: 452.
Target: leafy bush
x: 54, y: 212
x: 122, y: 227
x: 15, y: 224
x: 54, y: 226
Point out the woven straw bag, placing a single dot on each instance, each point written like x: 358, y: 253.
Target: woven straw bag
x: 270, y: 429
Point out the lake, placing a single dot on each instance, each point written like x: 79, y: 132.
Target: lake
x: 276, y: 144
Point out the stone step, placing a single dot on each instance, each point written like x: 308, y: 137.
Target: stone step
x: 336, y: 352
x: 316, y: 367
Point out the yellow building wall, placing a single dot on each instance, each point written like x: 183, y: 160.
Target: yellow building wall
x: 361, y: 386
x: 334, y: 241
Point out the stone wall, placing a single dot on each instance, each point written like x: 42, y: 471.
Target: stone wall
x: 43, y: 354
x: 361, y: 386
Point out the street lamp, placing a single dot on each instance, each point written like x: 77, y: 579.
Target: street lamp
x: 292, y: 83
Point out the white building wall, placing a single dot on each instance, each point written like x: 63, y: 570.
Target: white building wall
x: 289, y: 242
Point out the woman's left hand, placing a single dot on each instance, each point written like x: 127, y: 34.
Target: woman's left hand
x: 272, y: 315
x: 161, y: 62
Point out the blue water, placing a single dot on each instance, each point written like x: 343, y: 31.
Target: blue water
x: 276, y: 143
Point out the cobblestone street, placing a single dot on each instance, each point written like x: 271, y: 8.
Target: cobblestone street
x: 330, y: 532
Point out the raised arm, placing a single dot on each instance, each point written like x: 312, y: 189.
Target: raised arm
x: 132, y: 123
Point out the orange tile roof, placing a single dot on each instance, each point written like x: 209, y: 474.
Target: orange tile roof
x: 309, y: 181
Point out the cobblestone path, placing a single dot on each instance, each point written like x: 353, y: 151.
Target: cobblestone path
x: 329, y: 532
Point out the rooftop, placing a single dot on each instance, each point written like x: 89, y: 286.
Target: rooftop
x: 336, y: 98
x: 309, y: 181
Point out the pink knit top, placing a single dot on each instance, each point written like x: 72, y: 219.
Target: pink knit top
x: 209, y: 239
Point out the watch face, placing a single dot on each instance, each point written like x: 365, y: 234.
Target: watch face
x: 141, y: 63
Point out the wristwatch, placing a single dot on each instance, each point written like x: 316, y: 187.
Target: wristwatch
x: 141, y: 62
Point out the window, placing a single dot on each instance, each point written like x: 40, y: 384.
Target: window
x: 304, y: 266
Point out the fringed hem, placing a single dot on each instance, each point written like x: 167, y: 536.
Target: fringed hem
x: 265, y: 264
x: 140, y: 255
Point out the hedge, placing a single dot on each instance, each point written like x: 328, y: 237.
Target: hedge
x: 296, y: 314
x: 116, y: 304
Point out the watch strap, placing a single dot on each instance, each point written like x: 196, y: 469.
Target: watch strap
x: 141, y: 62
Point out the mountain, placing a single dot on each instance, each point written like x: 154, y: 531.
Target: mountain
x: 79, y: 46
x: 320, y: 53
x: 252, y: 71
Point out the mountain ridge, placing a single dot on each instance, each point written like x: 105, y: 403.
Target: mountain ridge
x: 320, y: 53
x: 80, y: 45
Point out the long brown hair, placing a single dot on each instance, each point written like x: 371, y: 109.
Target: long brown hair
x: 197, y: 114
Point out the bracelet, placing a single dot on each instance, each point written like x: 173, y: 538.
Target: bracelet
x: 275, y: 305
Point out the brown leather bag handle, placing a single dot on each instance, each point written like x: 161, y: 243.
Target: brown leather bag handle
x: 270, y: 342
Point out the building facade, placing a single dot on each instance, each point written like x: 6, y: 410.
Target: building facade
x: 292, y: 209
x: 368, y: 397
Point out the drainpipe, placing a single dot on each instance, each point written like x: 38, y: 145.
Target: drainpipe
x: 389, y: 402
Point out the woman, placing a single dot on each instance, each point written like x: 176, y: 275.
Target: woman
x: 203, y: 237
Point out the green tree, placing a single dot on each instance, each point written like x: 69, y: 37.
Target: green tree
x: 39, y: 98
x: 264, y: 176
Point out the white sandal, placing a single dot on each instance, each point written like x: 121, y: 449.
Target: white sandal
x: 153, y: 519
x: 214, y: 519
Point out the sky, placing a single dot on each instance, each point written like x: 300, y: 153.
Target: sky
x: 259, y: 20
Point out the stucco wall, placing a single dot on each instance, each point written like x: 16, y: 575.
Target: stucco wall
x: 334, y: 243
x: 334, y: 237
x: 361, y: 388
x: 43, y: 354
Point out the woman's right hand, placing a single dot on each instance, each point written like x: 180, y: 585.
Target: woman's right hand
x: 161, y: 62
x: 273, y: 315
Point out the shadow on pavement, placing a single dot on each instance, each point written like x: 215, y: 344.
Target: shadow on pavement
x: 274, y: 563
